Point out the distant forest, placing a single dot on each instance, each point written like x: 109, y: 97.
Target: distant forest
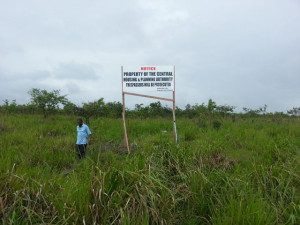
x: 52, y: 103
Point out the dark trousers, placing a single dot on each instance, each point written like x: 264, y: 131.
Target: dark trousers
x: 80, y: 149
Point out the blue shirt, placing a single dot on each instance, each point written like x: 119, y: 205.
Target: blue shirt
x: 82, y: 133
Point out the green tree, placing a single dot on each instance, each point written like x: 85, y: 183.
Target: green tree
x: 224, y: 109
x: 211, y: 106
x: 255, y: 112
x: 47, y: 102
x: 294, y: 111
x: 200, y: 109
x: 142, y: 111
x: 189, y: 111
x: 112, y: 109
x: 91, y: 109
x: 263, y: 109
x: 70, y: 108
x: 155, y: 108
x: 251, y: 112
x: 9, y: 107
x: 179, y: 111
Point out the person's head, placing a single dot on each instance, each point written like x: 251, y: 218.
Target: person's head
x: 79, y: 121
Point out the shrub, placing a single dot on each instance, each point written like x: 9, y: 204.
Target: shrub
x: 216, y: 124
x: 189, y: 135
x: 202, y: 123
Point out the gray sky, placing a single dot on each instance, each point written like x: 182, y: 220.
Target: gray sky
x: 241, y: 53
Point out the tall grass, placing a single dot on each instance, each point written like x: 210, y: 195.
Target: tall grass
x: 246, y: 172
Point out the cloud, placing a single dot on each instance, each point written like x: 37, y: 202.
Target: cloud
x: 75, y: 71
x: 242, y: 53
x: 16, y: 86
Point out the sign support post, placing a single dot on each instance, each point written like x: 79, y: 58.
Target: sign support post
x: 123, y: 114
x: 174, y: 108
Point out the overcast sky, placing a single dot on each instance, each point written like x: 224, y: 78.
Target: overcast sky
x: 241, y: 53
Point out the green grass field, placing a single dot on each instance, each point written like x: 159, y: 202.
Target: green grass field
x: 246, y: 172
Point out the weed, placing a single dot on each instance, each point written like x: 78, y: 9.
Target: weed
x: 216, y: 124
x: 246, y: 173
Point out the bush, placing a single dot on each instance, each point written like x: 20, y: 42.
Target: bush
x: 216, y: 124
x: 189, y: 135
x: 202, y: 123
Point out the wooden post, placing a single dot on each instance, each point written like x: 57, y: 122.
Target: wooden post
x: 123, y: 114
x: 125, y: 133
x: 148, y: 96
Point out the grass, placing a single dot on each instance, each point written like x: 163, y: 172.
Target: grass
x: 244, y: 172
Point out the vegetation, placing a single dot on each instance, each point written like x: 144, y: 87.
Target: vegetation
x: 91, y: 109
x: 294, y: 112
x: 51, y: 102
x: 229, y: 168
x: 244, y: 171
x: 46, y: 102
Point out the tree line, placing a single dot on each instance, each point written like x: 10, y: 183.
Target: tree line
x: 52, y: 102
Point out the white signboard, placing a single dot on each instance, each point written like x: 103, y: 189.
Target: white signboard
x: 148, y: 78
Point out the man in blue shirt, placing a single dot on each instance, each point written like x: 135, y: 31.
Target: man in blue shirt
x: 82, y: 133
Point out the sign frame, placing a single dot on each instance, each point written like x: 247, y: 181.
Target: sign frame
x: 148, y: 96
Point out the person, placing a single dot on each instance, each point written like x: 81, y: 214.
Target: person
x: 83, y: 132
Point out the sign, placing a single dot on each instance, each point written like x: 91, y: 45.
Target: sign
x: 148, y: 78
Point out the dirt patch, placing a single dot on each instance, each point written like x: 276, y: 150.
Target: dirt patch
x: 52, y: 133
x: 67, y: 171
x: 109, y: 145
x: 122, y: 149
x: 217, y: 160
x: 119, y: 148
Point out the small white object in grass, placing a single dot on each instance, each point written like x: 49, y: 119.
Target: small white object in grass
x: 163, y: 131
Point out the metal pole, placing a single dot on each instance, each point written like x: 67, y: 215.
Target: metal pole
x: 128, y: 132
x: 174, y: 108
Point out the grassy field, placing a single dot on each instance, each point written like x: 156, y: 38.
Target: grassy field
x: 245, y: 172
